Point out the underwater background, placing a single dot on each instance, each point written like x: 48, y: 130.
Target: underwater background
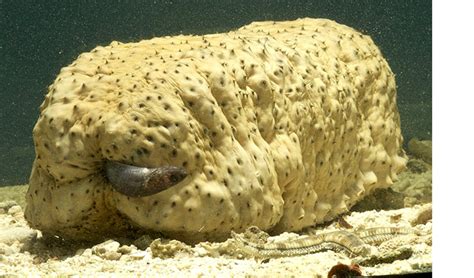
x: 38, y: 38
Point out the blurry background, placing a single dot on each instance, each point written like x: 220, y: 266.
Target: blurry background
x: 37, y: 38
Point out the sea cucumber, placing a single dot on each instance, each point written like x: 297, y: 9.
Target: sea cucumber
x: 280, y: 125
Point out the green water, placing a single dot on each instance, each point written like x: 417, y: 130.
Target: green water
x: 38, y: 38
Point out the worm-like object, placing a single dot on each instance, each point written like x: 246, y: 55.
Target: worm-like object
x: 135, y: 181
x: 338, y: 241
x: 351, y: 243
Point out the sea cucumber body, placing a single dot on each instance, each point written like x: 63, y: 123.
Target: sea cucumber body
x: 280, y: 125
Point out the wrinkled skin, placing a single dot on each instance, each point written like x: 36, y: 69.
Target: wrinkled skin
x: 276, y: 125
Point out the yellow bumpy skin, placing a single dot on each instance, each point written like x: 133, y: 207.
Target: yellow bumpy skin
x: 279, y: 125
